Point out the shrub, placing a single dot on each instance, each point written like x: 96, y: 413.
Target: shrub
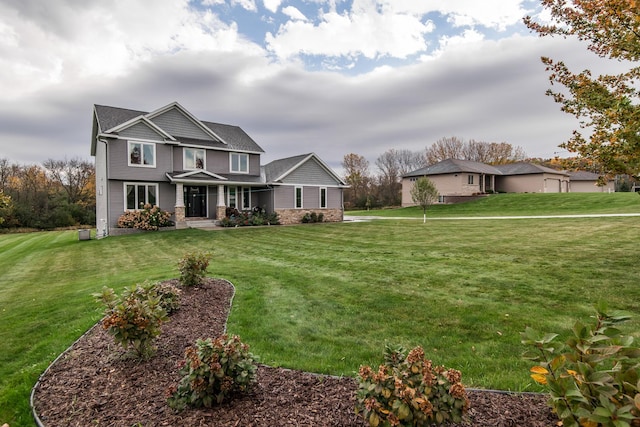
x: 193, y: 267
x: 241, y: 219
x: 312, y: 217
x: 214, y: 370
x: 148, y: 218
x: 134, y: 318
x: 169, y: 296
x: 410, y: 391
x: 593, y: 379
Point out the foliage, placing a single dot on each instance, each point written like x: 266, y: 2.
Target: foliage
x: 39, y: 200
x: 493, y: 153
x: 243, y: 219
x: 424, y: 193
x: 594, y: 379
x: 193, y: 267
x: 410, y: 391
x: 150, y: 218
x: 5, y: 206
x: 608, y: 105
x: 312, y: 217
x: 134, y: 318
x: 169, y: 295
x: 213, y: 371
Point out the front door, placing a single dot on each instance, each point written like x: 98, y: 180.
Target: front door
x: 195, y: 200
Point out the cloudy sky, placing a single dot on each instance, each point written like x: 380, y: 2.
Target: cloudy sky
x: 326, y: 76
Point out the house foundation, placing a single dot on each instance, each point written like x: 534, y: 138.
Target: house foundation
x: 294, y: 216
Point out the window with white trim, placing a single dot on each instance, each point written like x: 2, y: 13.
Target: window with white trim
x: 194, y: 158
x: 239, y: 162
x: 323, y: 197
x: 298, y: 198
x: 142, y: 154
x: 239, y: 198
x: 136, y: 196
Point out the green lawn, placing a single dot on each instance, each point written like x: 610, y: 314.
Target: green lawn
x: 524, y: 204
x: 327, y: 297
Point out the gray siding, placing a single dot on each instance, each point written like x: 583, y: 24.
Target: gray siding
x: 334, y: 198
x: 176, y: 124
x: 141, y: 131
x: 167, y: 199
x: 310, y: 173
x: 119, y: 168
x: 283, y: 197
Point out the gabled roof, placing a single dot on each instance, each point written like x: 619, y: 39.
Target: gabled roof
x: 277, y: 170
x: 522, y: 168
x: 227, y: 137
x: 583, y: 176
x: 450, y: 166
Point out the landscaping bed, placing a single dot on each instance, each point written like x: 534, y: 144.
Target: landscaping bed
x: 95, y: 383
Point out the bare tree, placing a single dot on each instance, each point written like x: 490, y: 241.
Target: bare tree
x: 73, y: 175
x: 389, y: 177
x: 356, y: 169
x: 493, y: 153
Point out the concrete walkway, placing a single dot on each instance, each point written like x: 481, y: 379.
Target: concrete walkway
x: 362, y: 218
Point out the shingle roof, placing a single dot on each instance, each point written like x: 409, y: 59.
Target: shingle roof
x: 276, y: 168
x: 236, y: 138
x: 522, y: 168
x: 583, y: 176
x: 455, y: 166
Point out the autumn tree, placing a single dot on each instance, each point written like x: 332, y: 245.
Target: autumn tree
x: 356, y: 169
x: 5, y: 207
x: 607, y: 106
x: 493, y: 153
x: 74, y: 176
x: 424, y: 193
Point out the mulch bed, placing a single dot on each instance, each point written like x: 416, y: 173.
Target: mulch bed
x: 94, y: 383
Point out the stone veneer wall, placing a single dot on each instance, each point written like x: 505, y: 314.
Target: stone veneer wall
x: 294, y: 216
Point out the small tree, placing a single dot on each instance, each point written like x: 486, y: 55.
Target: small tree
x: 424, y: 193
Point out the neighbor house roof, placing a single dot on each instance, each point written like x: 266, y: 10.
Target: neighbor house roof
x: 583, y: 176
x: 522, y: 168
x: 227, y: 137
x: 449, y: 166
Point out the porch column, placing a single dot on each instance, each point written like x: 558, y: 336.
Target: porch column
x: 220, y: 207
x: 180, y: 213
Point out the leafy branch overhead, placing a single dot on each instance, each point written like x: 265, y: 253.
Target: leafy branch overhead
x: 607, y: 105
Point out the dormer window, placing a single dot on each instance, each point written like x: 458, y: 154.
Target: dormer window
x: 142, y: 154
x: 194, y: 158
x: 239, y: 162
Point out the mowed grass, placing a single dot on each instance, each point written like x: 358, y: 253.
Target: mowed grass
x: 327, y: 297
x: 523, y: 205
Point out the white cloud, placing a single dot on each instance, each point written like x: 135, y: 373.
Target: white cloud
x: 249, y: 5
x: 365, y: 30
x: 40, y: 46
x: 272, y: 5
x: 294, y: 13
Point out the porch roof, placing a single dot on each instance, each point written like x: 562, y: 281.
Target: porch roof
x: 208, y: 178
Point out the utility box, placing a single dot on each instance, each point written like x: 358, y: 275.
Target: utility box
x: 84, y: 234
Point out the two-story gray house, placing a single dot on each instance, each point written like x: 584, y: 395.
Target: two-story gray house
x: 197, y: 169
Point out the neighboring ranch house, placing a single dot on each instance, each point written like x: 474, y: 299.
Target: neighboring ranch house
x: 524, y: 177
x: 461, y: 180
x: 198, y: 169
x: 455, y: 180
x: 587, y: 182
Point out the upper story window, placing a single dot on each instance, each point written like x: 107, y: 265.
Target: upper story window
x: 239, y: 162
x: 194, y: 158
x: 142, y: 154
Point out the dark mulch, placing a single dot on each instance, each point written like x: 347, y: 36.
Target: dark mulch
x: 94, y: 384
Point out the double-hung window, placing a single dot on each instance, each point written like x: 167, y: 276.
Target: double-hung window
x: 239, y: 162
x: 138, y: 195
x: 470, y: 179
x: 323, y: 198
x: 142, y: 154
x: 298, y: 198
x: 194, y: 158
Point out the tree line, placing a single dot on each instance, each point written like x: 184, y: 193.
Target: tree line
x: 383, y: 187
x: 54, y: 194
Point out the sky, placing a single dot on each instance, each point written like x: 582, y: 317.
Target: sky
x: 331, y: 77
